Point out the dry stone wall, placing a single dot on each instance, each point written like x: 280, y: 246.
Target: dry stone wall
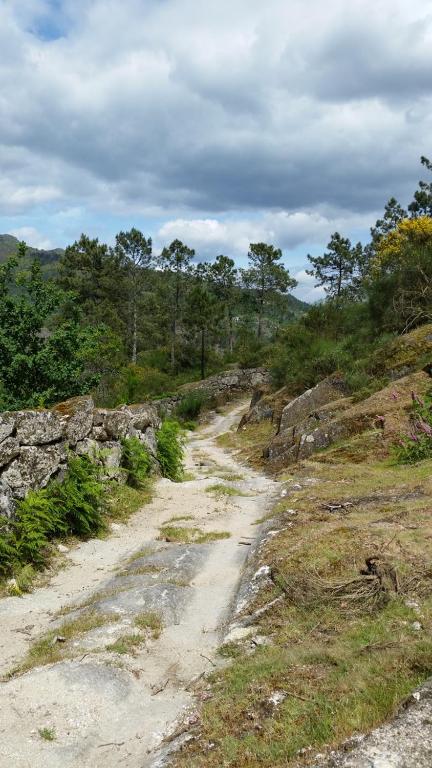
x: 221, y: 387
x: 35, y: 444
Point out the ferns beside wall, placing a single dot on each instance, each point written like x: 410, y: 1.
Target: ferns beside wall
x: 73, y: 507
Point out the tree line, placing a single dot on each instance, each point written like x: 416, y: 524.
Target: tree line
x: 126, y: 323
x: 129, y: 323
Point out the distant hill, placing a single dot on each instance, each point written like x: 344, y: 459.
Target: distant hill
x: 48, y: 259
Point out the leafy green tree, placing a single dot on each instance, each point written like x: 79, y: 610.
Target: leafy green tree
x: 266, y: 277
x: 224, y: 279
x: 422, y: 203
x: 402, y: 273
x: 336, y: 268
x: 97, y: 278
x: 38, y: 366
x: 135, y: 252
x: 175, y: 261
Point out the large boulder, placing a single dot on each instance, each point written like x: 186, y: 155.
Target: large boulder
x: 332, y: 388
x: 38, y: 427
x: 33, y: 468
x: 76, y: 416
x: 88, y: 447
x: 149, y: 440
x: 386, y: 411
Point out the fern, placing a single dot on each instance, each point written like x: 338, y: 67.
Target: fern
x: 170, y: 450
x: 80, y: 498
x: 136, y: 461
x: 73, y: 506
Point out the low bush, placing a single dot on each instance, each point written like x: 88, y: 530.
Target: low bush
x: 191, y: 405
x: 416, y: 445
x: 136, y: 461
x: 170, y: 450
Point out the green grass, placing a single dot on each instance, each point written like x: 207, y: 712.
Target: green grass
x: 344, y: 657
x: 182, y: 535
x: 123, y: 500
x: 47, y: 734
x: 148, y: 620
x: 219, y: 489
x: 47, y: 650
x: 126, y: 644
x: 178, y: 519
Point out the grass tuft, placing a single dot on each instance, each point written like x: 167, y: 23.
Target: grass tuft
x: 182, y: 535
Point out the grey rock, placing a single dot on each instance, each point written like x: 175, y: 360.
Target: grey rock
x: 7, y: 424
x: 76, y: 416
x: 148, y: 438
x: 332, y: 388
x: 33, y: 468
x: 116, y: 424
x: 7, y: 504
x: 143, y: 416
x: 9, y: 448
x: 38, y: 427
x: 405, y: 742
x: 180, y: 562
x: 168, y: 600
x: 88, y: 447
x: 99, y: 434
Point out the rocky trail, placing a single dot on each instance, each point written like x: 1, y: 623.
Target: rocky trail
x: 134, y: 620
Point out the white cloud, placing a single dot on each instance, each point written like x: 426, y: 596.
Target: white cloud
x: 32, y: 237
x: 233, y: 122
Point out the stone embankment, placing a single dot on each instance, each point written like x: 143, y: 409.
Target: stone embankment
x: 220, y: 388
x: 35, y: 444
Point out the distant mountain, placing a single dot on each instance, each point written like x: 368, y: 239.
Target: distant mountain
x: 48, y: 259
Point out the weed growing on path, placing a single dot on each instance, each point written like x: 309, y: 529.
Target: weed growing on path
x: 182, y: 535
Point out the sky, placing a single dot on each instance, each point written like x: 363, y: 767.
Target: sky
x: 221, y: 122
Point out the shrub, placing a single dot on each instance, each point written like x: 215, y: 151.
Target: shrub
x: 136, y: 461
x: 81, y: 497
x: 191, y: 405
x: 417, y: 444
x: 170, y: 450
x: 72, y: 507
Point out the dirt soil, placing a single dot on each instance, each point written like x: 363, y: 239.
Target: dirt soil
x: 99, y: 707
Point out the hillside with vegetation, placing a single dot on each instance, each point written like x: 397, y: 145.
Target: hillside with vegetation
x: 325, y: 478
x: 126, y: 324
x: 331, y: 634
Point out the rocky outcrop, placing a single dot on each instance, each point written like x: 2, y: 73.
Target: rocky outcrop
x: 340, y: 418
x: 35, y: 444
x: 326, y: 391
x: 219, y: 388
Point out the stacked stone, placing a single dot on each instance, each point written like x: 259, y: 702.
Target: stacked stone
x: 35, y: 444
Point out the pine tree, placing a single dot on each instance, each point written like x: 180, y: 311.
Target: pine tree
x: 224, y: 279
x: 422, y: 203
x: 135, y: 253
x: 336, y: 268
x: 175, y: 260
x: 265, y: 276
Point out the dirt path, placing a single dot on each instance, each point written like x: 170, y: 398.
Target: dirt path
x: 102, y: 707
